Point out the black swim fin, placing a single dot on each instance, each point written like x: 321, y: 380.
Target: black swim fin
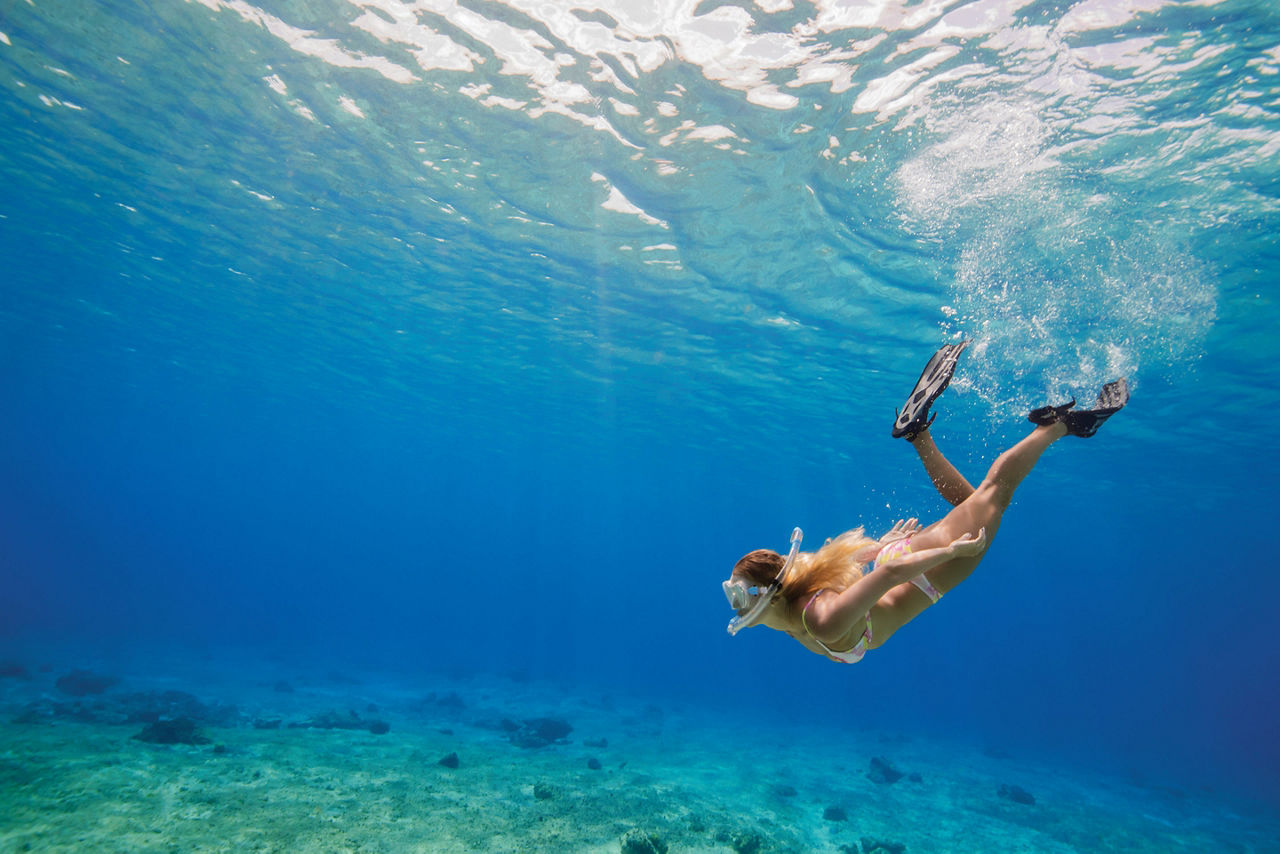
x: 914, y: 417
x: 1050, y: 414
x: 1085, y: 422
x: 1111, y: 399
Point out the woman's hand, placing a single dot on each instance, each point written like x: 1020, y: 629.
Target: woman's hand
x: 902, y: 529
x: 968, y: 544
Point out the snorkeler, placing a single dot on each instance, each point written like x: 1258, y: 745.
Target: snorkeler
x: 826, y: 600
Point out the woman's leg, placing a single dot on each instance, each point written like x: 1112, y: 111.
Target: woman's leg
x: 982, y: 509
x: 985, y: 507
x: 951, y: 485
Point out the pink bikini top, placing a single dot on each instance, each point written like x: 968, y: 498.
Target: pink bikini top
x: 895, y: 549
x: 849, y: 656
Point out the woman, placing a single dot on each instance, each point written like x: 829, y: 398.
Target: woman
x: 825, y: 600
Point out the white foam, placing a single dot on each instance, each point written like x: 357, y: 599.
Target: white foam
x: 619, y: 203
x: 350, y: 106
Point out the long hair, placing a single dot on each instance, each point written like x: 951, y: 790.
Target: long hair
x: 833, y: 567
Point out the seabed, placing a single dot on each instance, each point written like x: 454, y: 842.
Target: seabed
x: 287, y: 760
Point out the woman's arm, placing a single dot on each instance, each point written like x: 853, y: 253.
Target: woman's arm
x: 833, y: 616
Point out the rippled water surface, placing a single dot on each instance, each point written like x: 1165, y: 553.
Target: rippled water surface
x: 364, y: 304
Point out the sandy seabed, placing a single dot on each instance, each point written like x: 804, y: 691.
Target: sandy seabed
x: 629, y: 776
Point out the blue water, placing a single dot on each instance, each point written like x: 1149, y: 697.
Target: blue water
x: 483, y: 338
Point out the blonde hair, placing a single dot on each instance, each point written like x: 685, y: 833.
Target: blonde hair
x: 835, y: 566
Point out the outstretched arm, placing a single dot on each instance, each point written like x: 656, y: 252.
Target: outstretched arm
x: 832, y: 616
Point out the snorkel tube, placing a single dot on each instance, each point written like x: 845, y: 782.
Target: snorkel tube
x: 738, y: 592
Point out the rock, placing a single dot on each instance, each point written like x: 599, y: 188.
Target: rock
x: 882, y: 772
x: 379, y: 727
x: 637, y: 841
x: 835, y: 814
x: 593, y: 764
x: 152, y: 706
x: 1017, y: 794
x: 273, y: 723
x: 449, y: 701
x: 450, y: 761
x: 881, y: 846
x: 539, y: 732
x: 13, y: 670
x: 552, y: 729
x: 179, y: 731
x: 543, y: 791
x: 783, y: 790
x: 82, y: 683
x: 747, y: 843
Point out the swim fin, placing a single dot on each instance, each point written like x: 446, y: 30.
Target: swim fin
x: 1085, y: 422
x: 914, y: 417
x: 1050, y: 414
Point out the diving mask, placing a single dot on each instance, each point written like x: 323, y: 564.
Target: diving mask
x: 754, y: 598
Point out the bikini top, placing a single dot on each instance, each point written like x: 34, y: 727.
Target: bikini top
x: 849, y: 656
x: 895, y: 549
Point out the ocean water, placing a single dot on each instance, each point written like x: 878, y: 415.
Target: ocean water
x: 432, y: 362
